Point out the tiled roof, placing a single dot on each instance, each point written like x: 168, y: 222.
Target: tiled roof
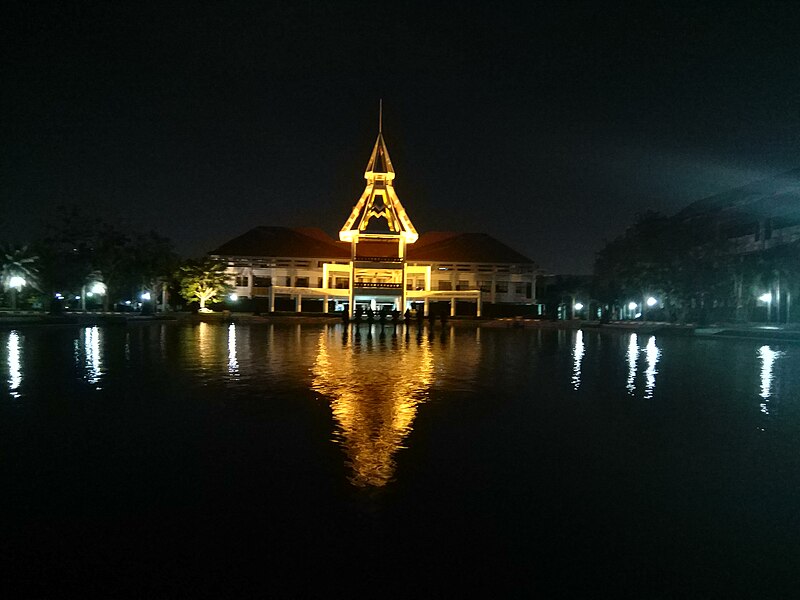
x: 310, y: 242
x: 300, y: 242
x: 443, y: 246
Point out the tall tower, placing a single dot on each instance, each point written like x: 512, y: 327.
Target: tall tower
x: 378, y: 230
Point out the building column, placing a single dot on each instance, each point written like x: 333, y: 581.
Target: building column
x: 478, y: 312
x: 351, y: 293
x: 426, y: 308
x: 325, y: 303
x: 404, y: 284
x: 271, y: 299
x: 298, y: 303
x: 452, y: 307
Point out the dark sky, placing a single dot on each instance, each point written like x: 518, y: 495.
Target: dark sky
x: 548, y: 127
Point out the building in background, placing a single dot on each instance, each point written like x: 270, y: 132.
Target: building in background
x: 380, y: 262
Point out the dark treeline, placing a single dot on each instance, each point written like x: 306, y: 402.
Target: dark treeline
x: 78, y: 252
x: 695, y: 272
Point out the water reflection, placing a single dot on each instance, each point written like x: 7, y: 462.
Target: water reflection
x: 577, y: 356
x: 14, y: 364
x: 633, y: 354
x: 233, y: 364
x: 205, y: 344
x: 768, y: 357
x: 652, y: 353
x: 374, y: 392
x: 91, y: 354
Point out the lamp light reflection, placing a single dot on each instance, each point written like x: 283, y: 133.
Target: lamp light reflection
x: 633, y: 353
x: 91, y: 352
x: 233, y: 363
x: 768, y: 357
x: 652, y: 354
x: 14, y: 364
x: 577, y: 355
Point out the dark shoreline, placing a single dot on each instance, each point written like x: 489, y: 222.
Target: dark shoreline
x: 783, y: 333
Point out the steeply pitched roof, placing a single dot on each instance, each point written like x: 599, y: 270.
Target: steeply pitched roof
x: 300, y: 242
x: 441, y: 246
x: 379, y: 161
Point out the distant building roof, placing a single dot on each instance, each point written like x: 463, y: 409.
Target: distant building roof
x: 766, y: 197
x: 293, y: 242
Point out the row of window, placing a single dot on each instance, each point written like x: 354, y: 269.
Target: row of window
x: 342, y: 283
x: 286, y: 263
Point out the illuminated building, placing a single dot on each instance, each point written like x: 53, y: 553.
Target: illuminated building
x: 379, y: 261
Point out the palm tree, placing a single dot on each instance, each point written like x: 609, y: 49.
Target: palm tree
x: 17, y: 263
x: 205, y: 281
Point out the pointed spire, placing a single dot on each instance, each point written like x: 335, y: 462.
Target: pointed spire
x: 379, y: 199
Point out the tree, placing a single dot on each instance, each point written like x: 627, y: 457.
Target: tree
x: 204, y: 281
x: 17, y: 263
x: 80, y: 249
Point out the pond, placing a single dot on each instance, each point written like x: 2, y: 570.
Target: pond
x: 317, y: 460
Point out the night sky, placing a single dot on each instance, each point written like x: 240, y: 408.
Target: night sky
x: 548, y: 127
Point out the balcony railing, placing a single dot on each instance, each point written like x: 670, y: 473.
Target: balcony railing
x: 381, y: 259
x: 369, y: 284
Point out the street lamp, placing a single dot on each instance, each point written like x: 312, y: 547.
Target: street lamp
x: 15, y: 283
x: 767, y: 297
x: 92, y: 287
x: 651, y: 301
x: 234, y: 297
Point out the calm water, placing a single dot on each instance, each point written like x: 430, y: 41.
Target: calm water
x: 305, y: 461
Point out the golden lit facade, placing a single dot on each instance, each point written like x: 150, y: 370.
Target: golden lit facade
x: 379, y: 262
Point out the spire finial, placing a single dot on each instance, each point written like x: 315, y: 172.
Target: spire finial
x: 380, y: 116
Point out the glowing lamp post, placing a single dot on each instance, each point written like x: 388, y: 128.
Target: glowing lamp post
x: 767, y: 298
x: 15, y: 283
x: 631, y: 308
x: 578, y: 306
x: 96, y: 288
x: 145, y: 297
x: 651, y: 301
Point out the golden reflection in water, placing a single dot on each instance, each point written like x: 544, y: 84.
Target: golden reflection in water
x: 652, y: 354
x: 205, y: 344
x: 14, y: 364
x: 633, y: 354
x: 374, y: 393
x: 577, y: 355
x: 91, y: 354
x: 768, y: 357
x: 233, y: 364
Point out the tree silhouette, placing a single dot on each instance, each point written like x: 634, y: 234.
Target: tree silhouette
x: 17, y: 261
